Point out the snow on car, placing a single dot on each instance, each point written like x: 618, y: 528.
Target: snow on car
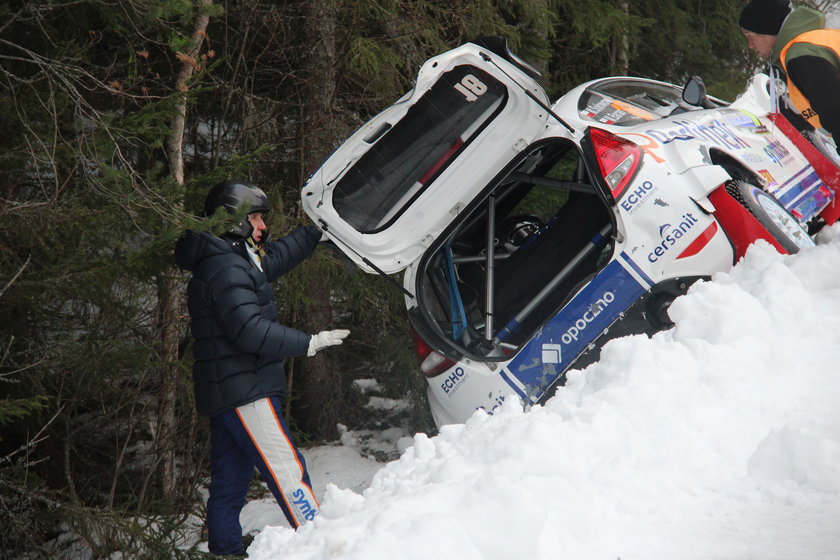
x: 530, y: 234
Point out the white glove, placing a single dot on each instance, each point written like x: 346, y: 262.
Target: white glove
x: 326, y: 338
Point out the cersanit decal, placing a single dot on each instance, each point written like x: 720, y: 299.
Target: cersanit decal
x: 635, y: 197
x: 498, y: 401
x: 670, y: 235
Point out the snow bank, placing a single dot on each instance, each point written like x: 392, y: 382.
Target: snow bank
x: 719, y: 439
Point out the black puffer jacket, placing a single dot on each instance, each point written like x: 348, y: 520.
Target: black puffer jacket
x: 239, y: 345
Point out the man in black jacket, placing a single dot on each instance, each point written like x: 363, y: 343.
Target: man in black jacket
x: 796, y: 42
x: 239, y: 351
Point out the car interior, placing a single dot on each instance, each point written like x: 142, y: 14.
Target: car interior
x: 518, y: 256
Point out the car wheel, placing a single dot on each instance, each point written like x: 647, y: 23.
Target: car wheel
x: 779, y: 222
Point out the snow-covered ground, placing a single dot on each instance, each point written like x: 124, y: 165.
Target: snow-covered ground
x: 832, y: 15
x: 719, y: 439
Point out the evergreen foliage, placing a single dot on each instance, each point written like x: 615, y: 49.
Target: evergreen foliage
x: 90, y: 209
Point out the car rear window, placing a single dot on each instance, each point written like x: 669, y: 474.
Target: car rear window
x: 410, y: 154
x: 629, y: 103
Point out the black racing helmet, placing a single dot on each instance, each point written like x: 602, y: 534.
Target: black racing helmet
x: 236, y: 197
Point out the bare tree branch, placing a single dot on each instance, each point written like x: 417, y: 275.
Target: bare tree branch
x: 16, y: 276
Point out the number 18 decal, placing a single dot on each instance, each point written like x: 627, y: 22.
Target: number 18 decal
x: 471, y: 87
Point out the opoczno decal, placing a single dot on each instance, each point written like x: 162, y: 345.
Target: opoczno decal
x: 577, y: 325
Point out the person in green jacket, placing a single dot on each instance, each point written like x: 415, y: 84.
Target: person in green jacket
x: 796, y: 42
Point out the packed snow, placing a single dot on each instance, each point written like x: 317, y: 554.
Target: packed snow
x: 717, y: 439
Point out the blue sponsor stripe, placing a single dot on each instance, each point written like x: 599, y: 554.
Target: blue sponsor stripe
x: 513, y: 385
x: 632, y: 264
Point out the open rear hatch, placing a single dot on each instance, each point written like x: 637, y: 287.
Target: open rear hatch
x: 387, y: 192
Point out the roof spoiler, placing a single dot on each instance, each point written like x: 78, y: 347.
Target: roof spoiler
x: 498, y: 44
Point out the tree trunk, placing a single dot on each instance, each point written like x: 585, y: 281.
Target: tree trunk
x: 318, y: 386
x: 170, y: 303
x: 623, y: 49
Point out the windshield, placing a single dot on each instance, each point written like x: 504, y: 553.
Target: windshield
x: 630, y: 102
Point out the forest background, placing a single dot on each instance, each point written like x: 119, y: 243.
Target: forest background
x: 118, y: 115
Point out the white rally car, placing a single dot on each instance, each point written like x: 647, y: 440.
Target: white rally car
x: 531, y: 233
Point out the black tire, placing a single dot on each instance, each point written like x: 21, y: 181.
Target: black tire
x: 773, y: 216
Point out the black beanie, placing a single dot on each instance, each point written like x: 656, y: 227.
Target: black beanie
x: 764, y: 16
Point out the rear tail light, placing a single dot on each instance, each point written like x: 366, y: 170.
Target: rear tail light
x: 618, y: 159
x: 431, y: 363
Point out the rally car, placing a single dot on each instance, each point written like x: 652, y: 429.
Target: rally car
x: 531, y: 233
